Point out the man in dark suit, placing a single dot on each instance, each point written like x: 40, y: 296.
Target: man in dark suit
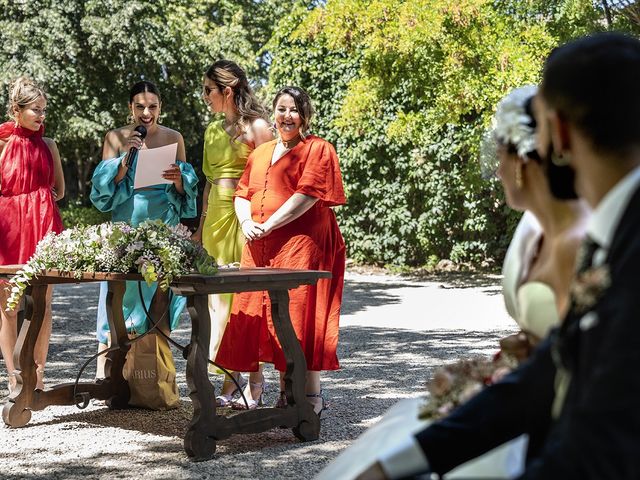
x: 578, y: 396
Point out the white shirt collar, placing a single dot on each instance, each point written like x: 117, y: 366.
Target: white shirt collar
x: 605, y: 218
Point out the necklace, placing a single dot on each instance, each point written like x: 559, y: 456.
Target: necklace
x: 290, y: 143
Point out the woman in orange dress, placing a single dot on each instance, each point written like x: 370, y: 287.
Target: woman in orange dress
x: 283, y: 202
x: 31, y: 182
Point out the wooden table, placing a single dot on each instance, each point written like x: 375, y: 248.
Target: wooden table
x: 206, y: 426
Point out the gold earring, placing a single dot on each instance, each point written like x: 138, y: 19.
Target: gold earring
x: 519, y: 182
x: 561, y: 160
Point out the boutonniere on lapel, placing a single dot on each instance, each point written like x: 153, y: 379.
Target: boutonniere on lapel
x: 589, y: 286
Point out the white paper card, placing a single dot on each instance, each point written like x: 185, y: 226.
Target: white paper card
x: 151, y: 163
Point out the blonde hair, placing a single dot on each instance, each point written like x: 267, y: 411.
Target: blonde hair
x: 225, y: 73
x: 22, y: 92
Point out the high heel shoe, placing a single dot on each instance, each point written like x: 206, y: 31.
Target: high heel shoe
x: 226, y: 399
x: 238, y: 403
x: 322, y: 403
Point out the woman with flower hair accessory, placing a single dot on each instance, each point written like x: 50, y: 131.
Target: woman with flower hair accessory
x: 578, y: 396
x: 113, y: 191
x: 538, y: 270
x: 540, y: 261
x: 31, y: 182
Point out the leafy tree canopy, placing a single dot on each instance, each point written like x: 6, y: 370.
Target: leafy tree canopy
x: 404, y: 89
x: 89, y: 53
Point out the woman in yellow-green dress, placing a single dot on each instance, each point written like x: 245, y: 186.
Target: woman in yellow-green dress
x: 227, y: 144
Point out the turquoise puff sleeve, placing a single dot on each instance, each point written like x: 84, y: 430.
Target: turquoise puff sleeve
x: 105, y: 194
x: 186, y: 204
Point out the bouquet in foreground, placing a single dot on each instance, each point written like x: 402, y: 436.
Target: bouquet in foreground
x: 157, y: 251
x: 454, y: 384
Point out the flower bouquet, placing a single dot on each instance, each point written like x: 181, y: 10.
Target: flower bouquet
x: 454, y: 384
x: 155, y: 250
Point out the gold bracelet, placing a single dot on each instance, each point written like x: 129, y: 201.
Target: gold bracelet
x: 204, y: 215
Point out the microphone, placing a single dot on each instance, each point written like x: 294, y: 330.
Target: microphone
x: 134, y: 151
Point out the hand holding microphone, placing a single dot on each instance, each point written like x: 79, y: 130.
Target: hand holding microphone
x: 142, y: 133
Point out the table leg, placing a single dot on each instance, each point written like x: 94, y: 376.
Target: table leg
x: 20, y: 314
x: 198, y: 442
x: 119, y: 388
x: 308, y: 427
x: 16, y: 411
x: 160, y: 311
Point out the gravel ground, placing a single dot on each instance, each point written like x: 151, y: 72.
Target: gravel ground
x: 394, y: 331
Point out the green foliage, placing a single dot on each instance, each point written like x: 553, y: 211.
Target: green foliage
x: 155, y: 250
x: 75, y: 214
x: 88, y: 54
x: 404, y: 90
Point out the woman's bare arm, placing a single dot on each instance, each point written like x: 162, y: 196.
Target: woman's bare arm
x: 58, y: 174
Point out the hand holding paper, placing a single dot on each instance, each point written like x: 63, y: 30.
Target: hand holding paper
x: 152, y: 164
x: 174, y: 175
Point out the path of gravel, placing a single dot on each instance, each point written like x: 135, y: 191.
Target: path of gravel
x: 394, y: 331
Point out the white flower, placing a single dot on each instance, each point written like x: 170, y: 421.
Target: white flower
x: 153, y: 249
x: 132, y: 247
x: 181, y: 230
x: 511, y: 123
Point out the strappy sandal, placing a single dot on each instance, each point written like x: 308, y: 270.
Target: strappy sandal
x: 226, y: 400
x: 323, y: 403
x: 251, y: 404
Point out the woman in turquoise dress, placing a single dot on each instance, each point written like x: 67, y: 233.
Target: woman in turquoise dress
x: 112, y: 191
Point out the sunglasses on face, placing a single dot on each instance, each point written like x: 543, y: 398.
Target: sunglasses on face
x: 207, y: 90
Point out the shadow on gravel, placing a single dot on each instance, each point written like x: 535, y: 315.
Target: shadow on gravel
x: 379, y: 367
x: 460, y: 279
x: 360, y: 295
x: 68, y: 470
x: 453, y: 279
x: 388, y: 363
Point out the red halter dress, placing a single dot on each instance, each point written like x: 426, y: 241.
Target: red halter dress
x: 28, y: 210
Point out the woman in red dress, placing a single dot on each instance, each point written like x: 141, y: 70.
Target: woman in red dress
x: 31, y: 181
x: 283, y: 202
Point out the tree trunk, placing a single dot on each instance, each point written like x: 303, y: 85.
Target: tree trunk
x: 607, y: 13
